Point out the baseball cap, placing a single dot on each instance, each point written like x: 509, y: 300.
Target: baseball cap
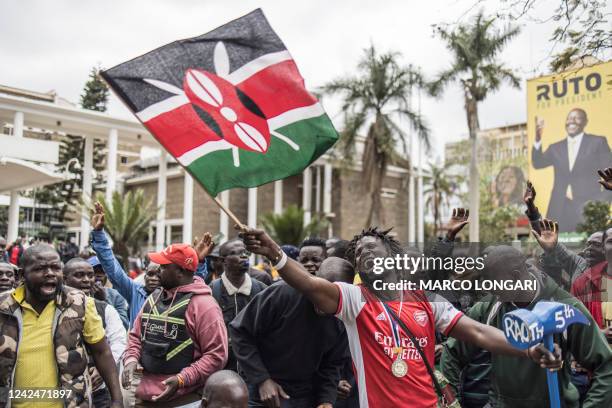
x: 94, y: 261
x: 182, y: 255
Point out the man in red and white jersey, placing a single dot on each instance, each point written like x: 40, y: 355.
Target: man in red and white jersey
x: 389, y: 369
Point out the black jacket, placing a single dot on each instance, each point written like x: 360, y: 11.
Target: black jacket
x: 594, y: 154
x: 231, y: 306
x: 279, y: 336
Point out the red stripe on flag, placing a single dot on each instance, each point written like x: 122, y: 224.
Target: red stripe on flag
x: 277, y: 89
x: 180, y: 130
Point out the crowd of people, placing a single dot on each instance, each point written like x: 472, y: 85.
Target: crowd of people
x: 202, y: 326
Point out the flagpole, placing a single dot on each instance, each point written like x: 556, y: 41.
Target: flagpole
x: 229, y: 212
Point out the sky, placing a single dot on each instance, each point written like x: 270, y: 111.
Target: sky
x: 52, y: 45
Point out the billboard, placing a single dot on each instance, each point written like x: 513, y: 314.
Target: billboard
x: 569, y: 130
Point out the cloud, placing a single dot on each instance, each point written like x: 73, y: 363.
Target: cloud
x: 53, y: 44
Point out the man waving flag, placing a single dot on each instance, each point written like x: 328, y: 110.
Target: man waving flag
x: 229, y: 105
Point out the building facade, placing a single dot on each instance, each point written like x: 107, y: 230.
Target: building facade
x: 326, y: 189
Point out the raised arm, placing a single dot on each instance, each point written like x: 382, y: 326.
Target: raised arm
x: 322, y: 293
x: 493, y: 339
x: 548, y: 238
x: 532, y: 212
x: 120, y: 280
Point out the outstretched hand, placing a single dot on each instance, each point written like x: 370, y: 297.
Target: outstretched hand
x: 549, y: 234
x: 171, y: 385
x: 606, y: 178
x: 529, y: 197
x: 203, y: 246
x: 459, y: 219
x: 258, y: 242
x: 97, y: 219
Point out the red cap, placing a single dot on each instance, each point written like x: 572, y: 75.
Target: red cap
x: 182, y: 255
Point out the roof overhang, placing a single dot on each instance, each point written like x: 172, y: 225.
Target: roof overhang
x: 74, y: 121
x: 20, y: 174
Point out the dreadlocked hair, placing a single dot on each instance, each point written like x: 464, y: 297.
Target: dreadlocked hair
x: 391, y: 244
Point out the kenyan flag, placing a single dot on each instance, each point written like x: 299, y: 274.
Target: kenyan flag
x: 229, y: 105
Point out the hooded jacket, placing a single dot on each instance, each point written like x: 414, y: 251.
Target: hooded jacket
x: 518, y: 382
x: 206, y: 328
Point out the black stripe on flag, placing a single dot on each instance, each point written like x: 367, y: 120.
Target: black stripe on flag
x: 246, y: 38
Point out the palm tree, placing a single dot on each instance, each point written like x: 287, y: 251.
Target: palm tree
x: 439, y: 188
x: 378, y: 97
x: 288, y: 227
x: 127, y: 219
x: 475, y: 47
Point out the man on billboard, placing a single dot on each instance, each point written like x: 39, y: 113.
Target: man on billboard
x: 575, y: 160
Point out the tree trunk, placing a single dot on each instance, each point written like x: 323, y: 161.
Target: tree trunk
x: 471, y: 107
x: 374, y: 166
x: 436, y: 214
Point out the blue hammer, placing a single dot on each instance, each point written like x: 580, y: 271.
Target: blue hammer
x: 526, y: 328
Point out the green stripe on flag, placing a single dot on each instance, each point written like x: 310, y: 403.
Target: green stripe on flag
x: 216, y: 171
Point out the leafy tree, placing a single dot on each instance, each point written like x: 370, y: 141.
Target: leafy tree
x: 375, y: 99
x: 95, y: 94
x: 595, y: 216
x: 127, y: 219
x: 475, y: 48
x: 288, y: 227
x: 582, y: 27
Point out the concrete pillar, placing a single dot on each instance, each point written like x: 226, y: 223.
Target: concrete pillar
x: 278, y: 196
x: 223, y: 218
x: 13, y: 221
x: 327, y: 195
x: 111, y: 161
x: 252, y: 215
x: 318, y: 190
x: 18, y: 124
x: 188, y: 209
x: 307, y: 195
x: 161, y: 203
x: 327, y: 188
x: 252, y: 208
x: 87, y: 189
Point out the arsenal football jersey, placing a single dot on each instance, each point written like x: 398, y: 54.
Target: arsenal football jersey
x: 373, y: 344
